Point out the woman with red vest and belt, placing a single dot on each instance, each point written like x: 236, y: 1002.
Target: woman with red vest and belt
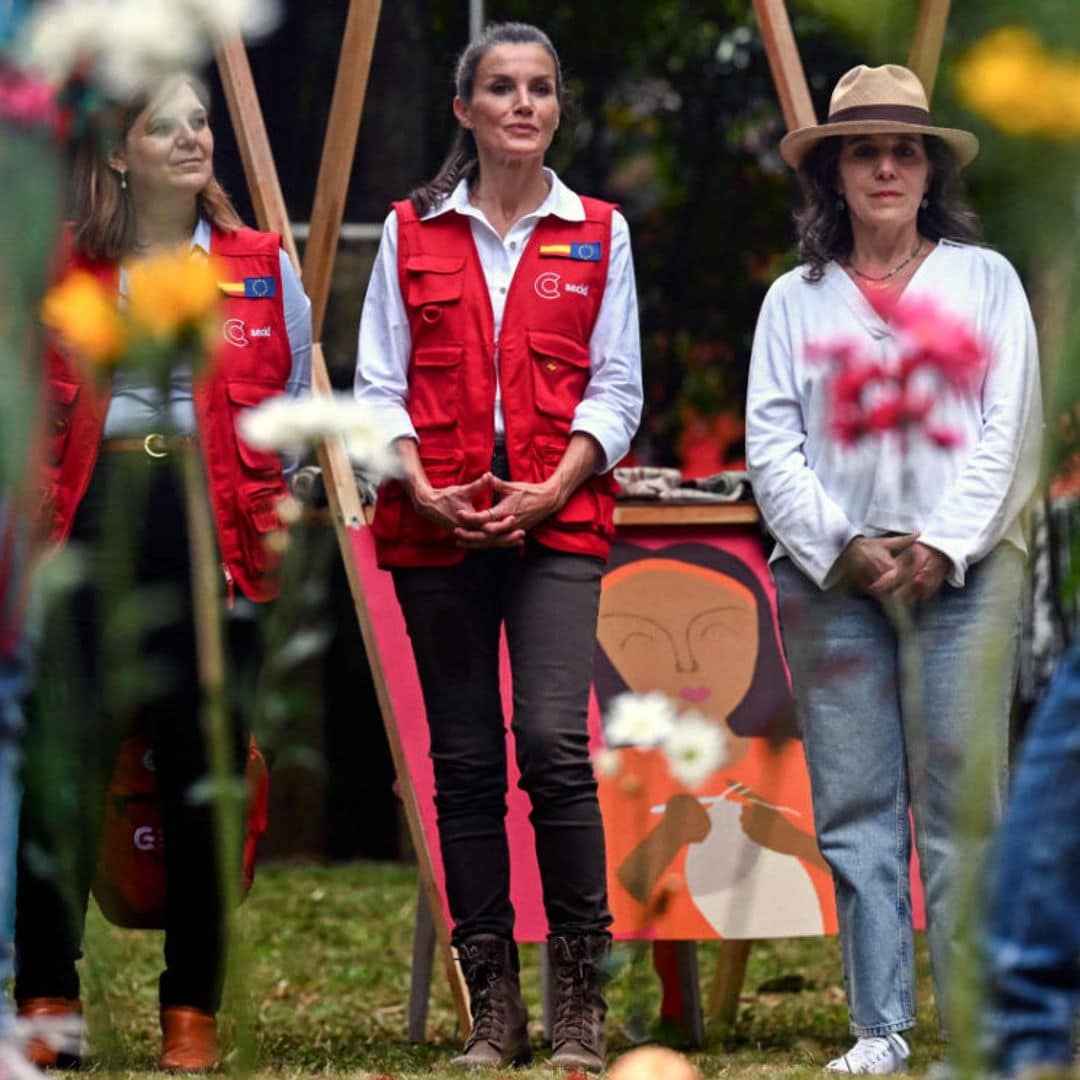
x: 500, y: 339
x: 110, y: 448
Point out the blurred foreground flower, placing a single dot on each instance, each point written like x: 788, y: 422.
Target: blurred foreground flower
x: 653, y: 1063
x: 938, y: 356
x: 172, y: 306
x: 693, y: 745
x: 292, y: 424
x: 695, y: 748
x: 174, y: 293
x: 85, y: 316
x: 641, y: 720
x: 1010, y: 78
x: 130, y: 45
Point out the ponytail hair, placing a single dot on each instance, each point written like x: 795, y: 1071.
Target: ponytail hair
x: 462, y: 163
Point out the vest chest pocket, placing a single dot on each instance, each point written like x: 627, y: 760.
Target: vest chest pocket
x: 560, y: 373
x: 435, y: 377
x: 62, y: 398
x: 433, y: 282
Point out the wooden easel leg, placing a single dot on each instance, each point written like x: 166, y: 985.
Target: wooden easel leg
x: 676, y: 964
x: 728, y: 980
x: 547, y: 993
x: 423, y: 962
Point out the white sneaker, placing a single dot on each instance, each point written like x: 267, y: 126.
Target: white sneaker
x: 14, y: 1066
x: 876, y: 1055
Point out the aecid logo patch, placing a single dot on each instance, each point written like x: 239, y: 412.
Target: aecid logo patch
x: 547, y: 286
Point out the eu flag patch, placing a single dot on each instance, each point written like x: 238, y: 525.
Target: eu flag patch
x: 251, y: 288
x: 578, y: 252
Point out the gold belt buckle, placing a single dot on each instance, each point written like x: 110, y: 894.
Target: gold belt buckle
x: 156, y: 445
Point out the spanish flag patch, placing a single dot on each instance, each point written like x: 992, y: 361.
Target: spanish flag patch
x: 252, y: 288
x: 578, y: 252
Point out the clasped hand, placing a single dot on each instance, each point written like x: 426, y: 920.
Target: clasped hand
x: 897, y: 568
x: 520, y: 507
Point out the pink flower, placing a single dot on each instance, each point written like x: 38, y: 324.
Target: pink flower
x: 26, y: 99
x: 940, y: 341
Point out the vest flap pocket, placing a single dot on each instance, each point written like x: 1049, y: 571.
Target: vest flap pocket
x: 559, y: 347
x: 580, y: 511
x: 257, y: 518
x: 244, y: 394
x: 434, y: 279
x: 250, y: 392
x: 435, y: 377
x: 442, y: 467
x: 560, y: 372
x: 62, y: 398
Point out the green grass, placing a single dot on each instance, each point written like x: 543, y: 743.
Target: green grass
x: 327, y: 977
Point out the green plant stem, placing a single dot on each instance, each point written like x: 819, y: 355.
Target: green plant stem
x: 227, y: 793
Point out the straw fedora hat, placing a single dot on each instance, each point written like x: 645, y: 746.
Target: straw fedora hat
x: 877, y: 101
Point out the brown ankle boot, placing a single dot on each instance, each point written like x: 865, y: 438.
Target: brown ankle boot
x: 65, y: 1014
x: 188, y: 1040
x: 500, y: 1033
x: 577, y: 1036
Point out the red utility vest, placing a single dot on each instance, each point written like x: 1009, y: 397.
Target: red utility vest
x: 252, y: 363
x: 544, y: 370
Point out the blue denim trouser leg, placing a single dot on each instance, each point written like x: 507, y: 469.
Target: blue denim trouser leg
x: 12, y: 687
x: 1033, y: 938
x: 879, y: 744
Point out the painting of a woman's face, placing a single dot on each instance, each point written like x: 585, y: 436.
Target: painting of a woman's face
x: 681, y: 629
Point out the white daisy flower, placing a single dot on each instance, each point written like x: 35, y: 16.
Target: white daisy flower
x: 642, y: 720
x: 695, y: 747
x: 607, y: 763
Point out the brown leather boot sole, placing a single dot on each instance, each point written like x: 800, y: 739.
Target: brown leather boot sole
x: 38, y: 1051
x: 188, y: 1040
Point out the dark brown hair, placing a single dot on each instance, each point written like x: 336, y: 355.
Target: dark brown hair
x: 824, y: 225
x: 104, y: 226
x: 462, y: 161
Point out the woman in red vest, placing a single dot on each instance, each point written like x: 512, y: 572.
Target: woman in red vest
x: 500, y: 339
x: 112, y: 489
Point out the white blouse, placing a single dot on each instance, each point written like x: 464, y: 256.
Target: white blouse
x: 816, y: 494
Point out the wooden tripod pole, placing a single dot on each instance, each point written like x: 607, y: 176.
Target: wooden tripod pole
x: 785, y: 64
x: 926, y: 46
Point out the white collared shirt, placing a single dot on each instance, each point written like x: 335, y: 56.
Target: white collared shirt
x: 817, y: 495
x: 137, y: 409
x: 611, y: 408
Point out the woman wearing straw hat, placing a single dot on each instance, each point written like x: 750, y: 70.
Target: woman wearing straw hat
x: 893, y: 530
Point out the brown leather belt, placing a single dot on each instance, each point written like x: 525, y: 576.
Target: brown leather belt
x: 155, y: 445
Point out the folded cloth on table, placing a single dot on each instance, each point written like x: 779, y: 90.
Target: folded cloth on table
x: 667, y: 485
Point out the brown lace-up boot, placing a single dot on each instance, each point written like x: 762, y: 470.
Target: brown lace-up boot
x: 500, y: 1034
x: 577, y: 1037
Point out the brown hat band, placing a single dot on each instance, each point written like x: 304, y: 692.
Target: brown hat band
x: 904, y: 114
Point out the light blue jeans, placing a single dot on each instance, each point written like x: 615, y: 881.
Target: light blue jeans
x: 885, y: 723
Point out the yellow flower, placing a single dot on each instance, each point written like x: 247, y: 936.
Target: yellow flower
x: 85, y: 315
x: 1010, y: 78
x: 171, y: 293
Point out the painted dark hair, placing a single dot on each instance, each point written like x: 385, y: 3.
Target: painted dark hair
x: 462, y: 161
x: 825, y: 229
x: 767, y: 709
x: 104, y: 225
